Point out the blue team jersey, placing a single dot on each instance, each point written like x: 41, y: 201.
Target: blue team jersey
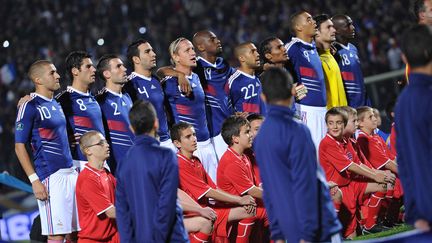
x: 245, y: 93
x: 140, y: 87
x: 352, y: 76
x: 308, y: 70
x: 214, y: 77
x: 82, y: 115
x: 115, y: 112
x: 190, y: 109
x: 41, y: 122
x: 146, y: 194
x: 296, y: 194
x: 413, y: 142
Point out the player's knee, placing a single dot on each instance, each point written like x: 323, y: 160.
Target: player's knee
x: 336, y: 194
x: 206, y: 225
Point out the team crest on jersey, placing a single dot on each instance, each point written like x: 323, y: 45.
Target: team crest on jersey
x: 153, y: 87
x: 19, y: 126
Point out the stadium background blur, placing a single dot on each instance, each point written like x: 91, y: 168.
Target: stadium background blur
x: 46, y: 29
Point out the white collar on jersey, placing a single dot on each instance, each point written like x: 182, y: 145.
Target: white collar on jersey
x: 343, y: 46
x: 79, y: 92
x: 41, y: 96
x: 141, y: 76
x: 302, y: 41
x: 247, y: 75
x: 114, y: 93
x: 209, y: 63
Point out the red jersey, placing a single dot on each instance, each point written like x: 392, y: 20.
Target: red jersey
x: 95, y: 190
x: 194, y: 180
x: 255, y: 170
x: 234, y: 173
x: 374, y: 149
x: 335, y: 158
x: 393, y: 140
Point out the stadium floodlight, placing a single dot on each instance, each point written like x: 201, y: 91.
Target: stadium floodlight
x: 100, y: 41
x: 142, y: 30
x: 6, y: 44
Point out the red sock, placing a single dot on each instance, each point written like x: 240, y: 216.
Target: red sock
x: 374, y: 205
x: 198, y: 237
x: 244, y: 229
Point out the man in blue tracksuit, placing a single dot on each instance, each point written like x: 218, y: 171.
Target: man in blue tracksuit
x: 296, y: 194
x: 147, y: 182
x: 414, y: 128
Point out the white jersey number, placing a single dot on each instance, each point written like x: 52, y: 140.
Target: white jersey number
x: 249, y: 91
x: 80, y: 102
x: 44, y: 112
x: 345, y: 60
x: 116, y: 112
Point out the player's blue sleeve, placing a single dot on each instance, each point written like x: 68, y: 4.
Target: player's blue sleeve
x: 275, y: 232
x: 166, y: 206
x: 24, y: 122
x: 170, y: 87
x: 123, y: 213
x: 236, y: 96
x: 305, y: 186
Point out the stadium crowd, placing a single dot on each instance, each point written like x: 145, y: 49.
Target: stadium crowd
x: 208, y: 110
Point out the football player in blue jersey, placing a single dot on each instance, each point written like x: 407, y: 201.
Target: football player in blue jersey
x: 307, y: 69
x: 115, y: 107
x: 213, y: 71
x: 79, y: 105
x: 41, y: 123
x: 244, y: 86
x: 349, y: 62
x: 190, y: 108
x: 145, y: 86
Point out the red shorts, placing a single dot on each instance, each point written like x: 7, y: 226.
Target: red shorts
x: 221, y: 226
x: 114, y: 239
x: 352, y: 195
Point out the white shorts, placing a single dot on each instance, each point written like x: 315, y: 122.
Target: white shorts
x: 219, y: 145
x: 59, y: 213
x: 169, y: 144
x: 207, y: 156
x: 314, y: 118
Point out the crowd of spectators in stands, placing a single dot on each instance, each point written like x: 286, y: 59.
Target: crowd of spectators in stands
x: 45, y: 29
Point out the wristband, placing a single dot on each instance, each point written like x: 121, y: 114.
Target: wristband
x: 33, y: 177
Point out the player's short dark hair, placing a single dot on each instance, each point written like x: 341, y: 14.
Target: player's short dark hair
x: 176, y: 130
x: 265, y: 47
x: 240, y: 48
x: 337, y: 111
x: 133, y: 51
x: 293, y: 21
x: 104, y: 65
x: 361, y: 112
x: 417, y: 7
x: 35, y: 68
x: 276, y: 84
x: 320, y: 18
x: 142, y: 117
x: 231, y: 127
x: 74, y: 60
x: 254, y: 116
x: 416, y: 45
